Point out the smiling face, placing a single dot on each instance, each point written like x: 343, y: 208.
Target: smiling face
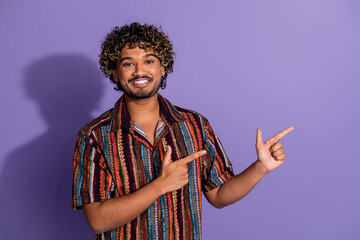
x: 138, y: 72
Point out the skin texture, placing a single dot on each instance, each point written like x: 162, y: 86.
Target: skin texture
x: 141, y: 99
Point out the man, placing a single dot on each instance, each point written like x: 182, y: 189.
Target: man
x: 140, y: 168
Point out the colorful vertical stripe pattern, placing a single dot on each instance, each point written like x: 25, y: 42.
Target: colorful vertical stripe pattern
x: 113, y: 158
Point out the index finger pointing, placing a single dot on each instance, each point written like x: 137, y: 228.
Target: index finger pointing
x: 193, y: 156
x: 282, y: 134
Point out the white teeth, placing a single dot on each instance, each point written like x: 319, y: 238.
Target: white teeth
x: 141, y: 81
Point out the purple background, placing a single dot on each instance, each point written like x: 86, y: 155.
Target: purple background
x: 243, y: 64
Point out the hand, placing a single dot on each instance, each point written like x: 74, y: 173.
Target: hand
x: 174, y: 175
x: 271, y: 155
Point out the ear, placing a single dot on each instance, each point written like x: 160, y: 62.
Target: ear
x: 115, y: 75
x: 162, y: 70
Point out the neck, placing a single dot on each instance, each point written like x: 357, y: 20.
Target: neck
x: 142, y: 110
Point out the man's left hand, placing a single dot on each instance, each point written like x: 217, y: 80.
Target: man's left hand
x: 271, y: 154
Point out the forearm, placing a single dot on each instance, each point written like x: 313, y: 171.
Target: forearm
x: 240, y: 185
x: 116, y: 212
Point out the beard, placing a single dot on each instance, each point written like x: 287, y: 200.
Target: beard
x: 141, y: 93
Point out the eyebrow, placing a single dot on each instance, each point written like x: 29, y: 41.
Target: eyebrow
x: 151, y: 55
x: 129, y: 58
x: 125, y: 58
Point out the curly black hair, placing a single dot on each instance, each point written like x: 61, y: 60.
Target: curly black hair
x: 147, y: 37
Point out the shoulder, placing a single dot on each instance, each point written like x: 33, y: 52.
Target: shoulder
x: 191, y: 115
x: 188, y: 112
x: 104, y: 120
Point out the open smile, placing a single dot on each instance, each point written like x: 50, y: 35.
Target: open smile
x: 140, y: 82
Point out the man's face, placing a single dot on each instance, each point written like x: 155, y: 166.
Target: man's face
x: 138, y: 72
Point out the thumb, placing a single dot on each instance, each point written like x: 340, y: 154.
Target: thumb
x: 259, y: 139
x: 167, y: 158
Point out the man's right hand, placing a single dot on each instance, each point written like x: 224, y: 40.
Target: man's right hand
x: 175, y: 175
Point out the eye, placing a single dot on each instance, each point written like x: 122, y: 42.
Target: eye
x: 127, y: 64
x: 149, y: 61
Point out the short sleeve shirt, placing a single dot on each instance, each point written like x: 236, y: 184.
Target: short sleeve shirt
x: 114, y: 158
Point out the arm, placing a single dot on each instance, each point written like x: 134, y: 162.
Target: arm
x: 115, y: 212
x: 271, y: 155
x: 112, y: 213
x: 236, y: 188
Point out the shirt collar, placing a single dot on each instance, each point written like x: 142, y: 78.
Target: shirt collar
x: 121, y: 117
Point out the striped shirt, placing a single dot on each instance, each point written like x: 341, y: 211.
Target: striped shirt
x: 113, y: 158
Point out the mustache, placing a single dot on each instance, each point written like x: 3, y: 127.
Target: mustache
x: 143, y: 77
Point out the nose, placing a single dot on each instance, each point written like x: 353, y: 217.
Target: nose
x: 139, y: 69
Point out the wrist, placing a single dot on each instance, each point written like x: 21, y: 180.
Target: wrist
x: 159, y: 186
x: 260, y: 168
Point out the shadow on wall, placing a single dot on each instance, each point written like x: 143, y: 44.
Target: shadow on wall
x: 36, y: 180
